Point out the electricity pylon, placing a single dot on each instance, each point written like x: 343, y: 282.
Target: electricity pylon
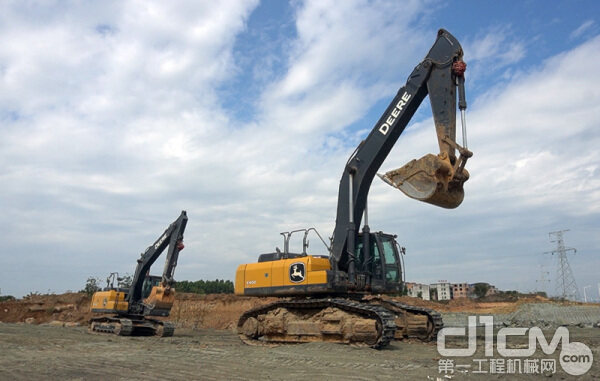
x: 542, y: 283
x: 566, y: 287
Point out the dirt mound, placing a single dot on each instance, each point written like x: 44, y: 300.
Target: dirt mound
x: 488, y: 305
x: 71, y: 307
x: 217, y: 311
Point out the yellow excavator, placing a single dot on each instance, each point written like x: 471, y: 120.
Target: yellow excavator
x: 337, y: 298
x: 130, y: 311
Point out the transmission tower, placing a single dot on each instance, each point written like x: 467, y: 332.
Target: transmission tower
x: 565, y: 281
x: 542, y: 283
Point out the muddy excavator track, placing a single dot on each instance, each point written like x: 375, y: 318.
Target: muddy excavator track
x: 411, y: 321
x: 314, y: 320
x: 131, y: 326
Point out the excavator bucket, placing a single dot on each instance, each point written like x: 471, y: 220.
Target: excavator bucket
x: 438, y: 179
x: 432, y: 179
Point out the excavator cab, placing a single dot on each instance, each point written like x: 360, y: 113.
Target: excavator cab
x: 383, y: 265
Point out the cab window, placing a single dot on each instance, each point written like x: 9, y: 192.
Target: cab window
x: 375, y: 265
x: 391, y: 268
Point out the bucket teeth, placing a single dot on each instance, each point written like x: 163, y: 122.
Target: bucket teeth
x: 430, y: 179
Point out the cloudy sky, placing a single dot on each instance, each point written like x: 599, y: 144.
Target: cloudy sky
x: 115, y: 116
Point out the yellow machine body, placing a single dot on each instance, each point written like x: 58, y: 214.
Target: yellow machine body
x: 161, y: 298
x: 110, y: 301
x: 292, y: 276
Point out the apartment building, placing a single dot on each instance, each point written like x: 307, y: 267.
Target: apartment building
x: 441, y: 290
x: 460, y: 290
x: 418, y: 290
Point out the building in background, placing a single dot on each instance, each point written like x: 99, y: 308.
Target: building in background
x: 460, y: 290
x: 492, y: 290
x: 481, y: 289
x: 442, y: 290
x: 418, y: 290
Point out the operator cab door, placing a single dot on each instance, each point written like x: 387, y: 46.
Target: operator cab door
x: 386, y: 265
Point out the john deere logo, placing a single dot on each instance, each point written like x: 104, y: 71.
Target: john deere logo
x: 297, y: 272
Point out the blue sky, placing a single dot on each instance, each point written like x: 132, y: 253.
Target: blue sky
x: 114, y: 116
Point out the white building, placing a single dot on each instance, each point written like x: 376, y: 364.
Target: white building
x: 418, y: 290
x: 443, y: 290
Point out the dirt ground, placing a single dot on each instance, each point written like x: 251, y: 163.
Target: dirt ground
x: 205, y: 347
x: 59, y: 353
x: 218, y: 311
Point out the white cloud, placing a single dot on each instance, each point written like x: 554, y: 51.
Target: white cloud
x: 583, y: 28
x: 345, y: 52
x: 493, y: 51
x: 115, y: 124
x: 106, y: 105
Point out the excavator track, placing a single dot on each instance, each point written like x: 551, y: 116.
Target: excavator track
x: 412, y: 321
x: 166, y: 329
x: 131, y: 326
x: 318, y: 320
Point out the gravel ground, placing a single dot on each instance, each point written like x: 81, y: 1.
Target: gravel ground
x: 538, y: 314
x: 31, y: 352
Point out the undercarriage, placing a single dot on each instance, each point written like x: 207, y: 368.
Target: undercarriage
x: 131, y: 325
x: 371, y: 321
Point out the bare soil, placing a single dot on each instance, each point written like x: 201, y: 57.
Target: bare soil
x: 49, y: 352
x: 217, y: 311
x: 54, y: 344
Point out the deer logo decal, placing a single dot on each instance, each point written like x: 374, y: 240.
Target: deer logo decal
x: 297, y: 272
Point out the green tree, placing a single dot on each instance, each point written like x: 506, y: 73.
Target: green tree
x: 125, y: 281
x: 404, y: 290
x: 481, y: 289
x: 217, y: 286
x: 91, y: 286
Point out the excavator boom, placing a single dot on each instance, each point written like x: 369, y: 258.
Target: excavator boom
x: 436, y: 179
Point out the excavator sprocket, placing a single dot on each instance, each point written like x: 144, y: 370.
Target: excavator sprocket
x: 131, y: 326
x: 318, y: 320
x: 412, y: 322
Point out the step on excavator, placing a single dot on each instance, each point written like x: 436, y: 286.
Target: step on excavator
x: 338, y: 298
x: 131, y: 311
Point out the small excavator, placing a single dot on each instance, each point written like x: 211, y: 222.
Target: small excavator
x: 338, y: 298
x: 129, y: 311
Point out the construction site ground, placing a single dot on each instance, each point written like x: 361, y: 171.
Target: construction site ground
x: 46, y: 337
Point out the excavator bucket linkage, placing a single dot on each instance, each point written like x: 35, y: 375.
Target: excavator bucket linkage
x: 432, y: 179
x: 438, y: 179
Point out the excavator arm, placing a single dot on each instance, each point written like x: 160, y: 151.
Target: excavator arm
x: 171, y: 238
x: 436, y: 179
